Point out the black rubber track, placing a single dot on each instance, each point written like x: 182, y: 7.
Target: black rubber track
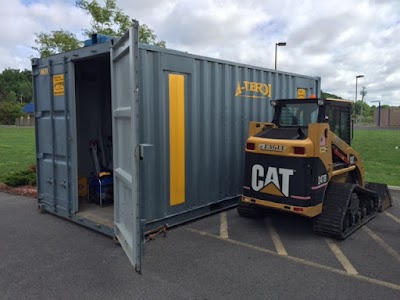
x: 249, y: 211
x: 337, y: 197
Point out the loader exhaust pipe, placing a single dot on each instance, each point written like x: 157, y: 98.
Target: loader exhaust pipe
x: 385, y: 198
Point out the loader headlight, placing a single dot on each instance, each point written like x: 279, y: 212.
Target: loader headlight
x: 272, y: 102
x: 320, y: 102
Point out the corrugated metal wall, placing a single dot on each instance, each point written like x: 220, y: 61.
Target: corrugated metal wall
x: 197, y: 106
x: 220, y: 100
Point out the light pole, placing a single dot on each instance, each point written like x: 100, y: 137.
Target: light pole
x: 355, y: 100
x: 276, y: 50
x: 379, y: 112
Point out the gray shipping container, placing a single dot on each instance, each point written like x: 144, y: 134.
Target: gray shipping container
x: 171, y: 127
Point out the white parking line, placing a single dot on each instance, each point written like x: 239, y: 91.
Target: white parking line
x: 223, y: 230
x: 381, y: 242
x: 275, y: 238
x: 392, y: 217
x: 341, y: 257
x: 299, y: 260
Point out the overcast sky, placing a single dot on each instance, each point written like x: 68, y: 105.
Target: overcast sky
x: 335, y: 39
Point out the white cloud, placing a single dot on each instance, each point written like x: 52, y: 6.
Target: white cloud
x: 335, y: 40
x: 19, y: 23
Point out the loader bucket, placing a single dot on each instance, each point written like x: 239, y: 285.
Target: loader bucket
x: 385, y: 198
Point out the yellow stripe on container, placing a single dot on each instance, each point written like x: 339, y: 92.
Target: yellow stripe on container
x: 177, y: 138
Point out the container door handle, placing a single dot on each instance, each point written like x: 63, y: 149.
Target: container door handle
x: 143, y: 148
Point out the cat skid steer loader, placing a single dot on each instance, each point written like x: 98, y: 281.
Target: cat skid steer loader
x: 303, y: 163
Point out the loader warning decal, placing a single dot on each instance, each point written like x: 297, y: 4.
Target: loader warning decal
x: 275, y: 181
x: 250, y: 89
x: 58, y: 85
x: 301, y: 93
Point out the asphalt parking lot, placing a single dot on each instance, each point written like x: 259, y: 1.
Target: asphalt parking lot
x: 223, y: 256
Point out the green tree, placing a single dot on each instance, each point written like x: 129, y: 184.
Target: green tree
x: 108, y: 19
x: 25, y: 91
x: 362, y: 109
x: 16, y: 85
x: 328, y: 95
x: 357, y: 108
x: 147, y: 36
x: 11, y: 97
x: 9, y: 111
x: 55, y: 42
x: 368, y: 110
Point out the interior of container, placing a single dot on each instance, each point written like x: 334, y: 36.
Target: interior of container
x: 94, y: 139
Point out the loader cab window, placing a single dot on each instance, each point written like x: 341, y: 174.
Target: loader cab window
x: 339, y: 121
x: 298, y: 114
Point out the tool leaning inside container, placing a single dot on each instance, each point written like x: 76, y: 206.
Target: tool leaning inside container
x: 101, y: 182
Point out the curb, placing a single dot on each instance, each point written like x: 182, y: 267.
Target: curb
x: 394, y: 188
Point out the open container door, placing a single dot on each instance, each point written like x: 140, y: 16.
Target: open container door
x: 125, y: 97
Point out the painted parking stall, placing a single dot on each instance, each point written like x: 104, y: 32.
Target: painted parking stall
x: 371, y: 255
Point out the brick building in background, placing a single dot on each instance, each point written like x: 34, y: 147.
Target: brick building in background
x: 389, y: 116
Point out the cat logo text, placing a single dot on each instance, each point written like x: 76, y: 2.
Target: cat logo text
x: 274, y: 181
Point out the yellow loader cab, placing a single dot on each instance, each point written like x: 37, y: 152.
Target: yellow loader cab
x: 303, y: 163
